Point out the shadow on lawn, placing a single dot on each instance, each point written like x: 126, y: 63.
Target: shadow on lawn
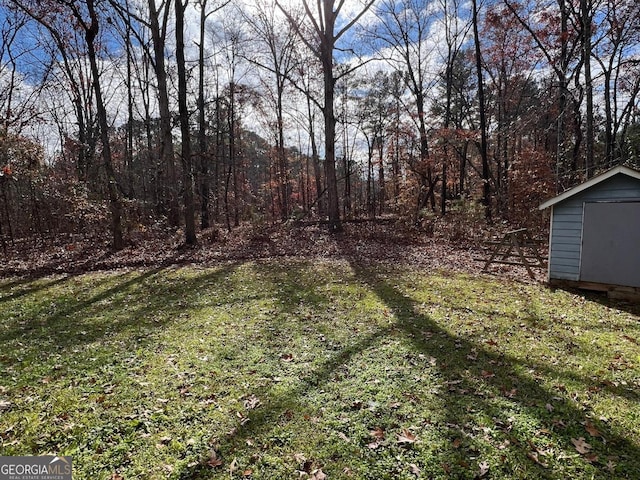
x: 481, y: 382
x: 29, y: 290
x: 505, y: 376
x: 629, y: 306
x: 138, y: 302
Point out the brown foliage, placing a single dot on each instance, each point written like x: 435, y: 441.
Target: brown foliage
x: 388, y: 242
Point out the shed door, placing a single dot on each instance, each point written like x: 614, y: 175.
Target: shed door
x: 611, y: 244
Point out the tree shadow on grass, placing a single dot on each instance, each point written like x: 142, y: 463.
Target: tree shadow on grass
x: 485, y: 390
x: 600, y: 297
x: 143, y: 302
x: 29, y: 290
x: 502, y: 376
x: 534, y: 318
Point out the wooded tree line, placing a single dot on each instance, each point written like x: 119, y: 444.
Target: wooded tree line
x: 125, y: 114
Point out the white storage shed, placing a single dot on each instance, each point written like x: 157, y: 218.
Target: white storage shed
x: 594, y: 240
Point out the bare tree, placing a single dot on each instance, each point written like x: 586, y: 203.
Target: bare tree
x: 617, y: 38
x: 88, y: 19
x: 559, y: 50
x: 455, y: 31
x: 486, y: 187
x: 326, y: 35
x: 185, y: 129
x: 278, y: 57
x: 205, y: 13
x: 404, y: 29
x: 158, y: 23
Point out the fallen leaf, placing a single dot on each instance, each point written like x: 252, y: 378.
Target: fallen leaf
x: 591, y: 457
x: 377, y: 433
x: 286, y: 357
x: 374, y: 445
x: 117, y: 476
x: 559, y: 423
x: 214, y: 461
x: 414, y: 469
x: 534, y: 456
x: 251, y: 402
x: 510, y: 393
x: 247, y: 473
x: 581, y: 446
x: 483, y: 469
x: 504, y: 445
x: 456, y: 443
x: 318, y: 475
x: 288, y: 415
x: 549, y: 407
x: 234, y: 466
x: 406, y: 437
x: 591, y: 429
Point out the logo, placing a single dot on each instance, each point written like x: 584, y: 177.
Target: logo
x: 35, y: 468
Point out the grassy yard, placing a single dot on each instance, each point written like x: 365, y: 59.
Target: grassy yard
x: 306, y: 370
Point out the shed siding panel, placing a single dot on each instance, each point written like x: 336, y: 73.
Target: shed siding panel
x: 566, y: 237
x: 568, y: 254
x: 559, y: 275
x: 564, y: 260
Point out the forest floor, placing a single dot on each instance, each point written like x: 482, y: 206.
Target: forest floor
x: 454, y: 247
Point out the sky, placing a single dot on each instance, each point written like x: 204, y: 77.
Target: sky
x: 374, y: 56
x: 229, y: 17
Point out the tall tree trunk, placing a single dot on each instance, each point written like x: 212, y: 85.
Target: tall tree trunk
x: 219, y: 156
x: 486, y: 188
x: 323, y: 46
x: 333, y: 207
x: 187, y: 162
x: 283, y: 177
x: 381, y: 179
x: 586, y: 8
x: 158, y: 35
x: 129, y: 140
x: 317, y: 170
x: 115, y: 205
x: 563, y: 89
x: 202, y: 126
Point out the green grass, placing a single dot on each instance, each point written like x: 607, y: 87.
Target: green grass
x: 265, y: 370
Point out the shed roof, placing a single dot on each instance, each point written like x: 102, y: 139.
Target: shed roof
x: 590, y: 183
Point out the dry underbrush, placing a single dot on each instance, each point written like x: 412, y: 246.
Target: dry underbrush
x: 450, y: 244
